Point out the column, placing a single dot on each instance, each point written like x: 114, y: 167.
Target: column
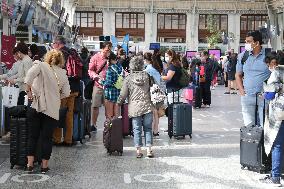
x: 108, y: 22
x: 234, y: 27
x: 192, y: 21
x: 30, y: 29
x: 5, y: 26
x: 150, y: 28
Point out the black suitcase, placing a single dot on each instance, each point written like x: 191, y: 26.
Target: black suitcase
x: 198, y: 98
x: 112, y: 136
x: 252, y: 153
x: 85, y: 112
x: 19, y: 135
x: 179, y: 119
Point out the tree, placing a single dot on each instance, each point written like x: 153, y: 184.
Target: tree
x: 215, y: 34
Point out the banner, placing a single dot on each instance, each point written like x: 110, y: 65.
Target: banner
x: 8, y: 44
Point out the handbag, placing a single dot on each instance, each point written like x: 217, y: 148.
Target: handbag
x: 119, y: 82
x: 157, y: 95
x: 10, y: 95
x: 279, y: 108
x: 161, y: 111
x: 62, y: 110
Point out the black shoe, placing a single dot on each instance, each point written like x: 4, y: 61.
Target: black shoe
x: 30, y: 169
x: 227, y: 93
x: 156, y: 134
x: 274, y: 182
x: 94, y: 129
x: 44, y: 170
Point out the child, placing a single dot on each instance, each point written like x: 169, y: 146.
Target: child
x: 271, y: 61
x: 111, y: 91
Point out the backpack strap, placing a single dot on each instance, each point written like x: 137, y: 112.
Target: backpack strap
x: 245, y: 57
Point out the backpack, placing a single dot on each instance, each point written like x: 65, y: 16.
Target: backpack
x: 74, y: 65
x: 184, y: 78
x: 245, y: 57
x: 202, y: 77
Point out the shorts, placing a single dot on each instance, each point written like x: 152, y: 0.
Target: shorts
x: 231, y: 76
x: 97, y: 97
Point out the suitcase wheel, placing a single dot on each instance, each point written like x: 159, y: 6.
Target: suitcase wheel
x: 190, y: 136
x: 243, y: 167
x: 171, y: 137
x: 183, y: 136
x: 12, y: 166
x: 120, y: 153
x: 81, y: 141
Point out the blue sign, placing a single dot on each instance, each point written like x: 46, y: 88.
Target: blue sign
x: 154, y: 46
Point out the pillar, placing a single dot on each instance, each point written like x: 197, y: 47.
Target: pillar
x: 108, y: 22
x: 192, y: 20
x: 234, y: 27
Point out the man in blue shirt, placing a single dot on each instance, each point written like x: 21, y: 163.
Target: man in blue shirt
x: 250, y: 76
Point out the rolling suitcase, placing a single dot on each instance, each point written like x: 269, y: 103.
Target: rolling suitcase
x: 179, y: 119
x: 197, y: 98
x: 112, y: 136
x: 86, y: 112
x: 78, y: 129
x: 252, y: 153
x: 127, y: 124
x: 19, y: 135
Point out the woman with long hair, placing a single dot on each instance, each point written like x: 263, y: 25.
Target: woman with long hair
x: 173, y: 75
x: 154, y: 70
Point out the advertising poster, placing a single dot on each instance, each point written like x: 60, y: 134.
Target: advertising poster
x: 216, y: 53
x: 8, y: 43
x: 190, y: 54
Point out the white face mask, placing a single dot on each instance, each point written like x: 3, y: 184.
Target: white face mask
x: 167, y: 59
x: 248, y: 47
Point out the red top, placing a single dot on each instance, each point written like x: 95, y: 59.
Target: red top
x: 96, y: 64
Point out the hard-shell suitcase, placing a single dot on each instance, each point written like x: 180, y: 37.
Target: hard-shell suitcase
x: 127, y: 124
x: 78, y: 129
x: 179, y: 119
x: 85, y: 112
x: 198, y: 97
x: 252, y: 153
x: 19, y: 135
x: 112, y: 136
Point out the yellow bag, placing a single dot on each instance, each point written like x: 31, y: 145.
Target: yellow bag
x: 119, y: 82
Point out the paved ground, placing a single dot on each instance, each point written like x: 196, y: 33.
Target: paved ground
x: 209, y: 160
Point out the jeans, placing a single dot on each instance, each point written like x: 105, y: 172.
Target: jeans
x: 248, y: 110
x: 40, y: 126
x: 277, y: 152
x: 144, y: 121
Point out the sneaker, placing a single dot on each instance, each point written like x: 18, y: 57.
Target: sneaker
x: 227, y: 93
x: 207, y: 106
x: 94, y: 129
x: 274, y: 182
x: 30, y: 169
x: 150, y: 154
x: 234, y: 93
x: 44, y: 170
x: 7, y: 136
x: 139, y: 155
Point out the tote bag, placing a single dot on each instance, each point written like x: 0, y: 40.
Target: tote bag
x: 10, y: 96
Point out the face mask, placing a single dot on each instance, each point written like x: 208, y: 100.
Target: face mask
x: 248, y: 47
x: 167, y: 59
x: 197, y: 56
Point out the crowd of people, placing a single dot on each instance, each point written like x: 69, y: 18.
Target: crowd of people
x: 126, y: 76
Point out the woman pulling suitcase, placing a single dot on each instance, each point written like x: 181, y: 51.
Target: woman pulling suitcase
x: 136, y: 87
x: 47, y: 83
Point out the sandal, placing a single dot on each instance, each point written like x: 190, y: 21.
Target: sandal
x: 150, y: 154
x: 139, y: 155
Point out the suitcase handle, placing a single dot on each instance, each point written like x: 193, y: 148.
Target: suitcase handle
x: 173, y: 97
x: 256, y: 108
